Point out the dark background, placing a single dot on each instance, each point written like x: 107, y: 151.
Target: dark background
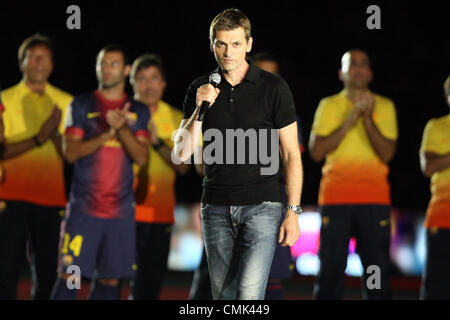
x: 410, y: 57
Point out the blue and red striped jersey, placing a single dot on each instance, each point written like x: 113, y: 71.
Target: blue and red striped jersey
x: 102, y: 182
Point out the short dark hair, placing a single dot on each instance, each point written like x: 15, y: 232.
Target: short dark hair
x: 112, y: 48
x: 230, y: 19
x: 263, y: 56
x: 145, y: 61
x: 35, y: 40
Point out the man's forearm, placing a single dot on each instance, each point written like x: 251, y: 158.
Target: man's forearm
x: 74, y: 150
x: 320, y: 146
x: 57, y: 141
x: 435, y: 163
x: 137, y: 150
x: 17, y: 148
x: 165, y: 152
x: 294, y: 178
x: 192, y: 128
x: 383, y: 147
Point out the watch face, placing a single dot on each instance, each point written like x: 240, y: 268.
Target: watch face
x: 296, y: 209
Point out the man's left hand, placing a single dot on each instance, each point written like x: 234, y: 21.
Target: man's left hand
x: 368, y: 104
x: 117, y: 118
x: 289, y: 230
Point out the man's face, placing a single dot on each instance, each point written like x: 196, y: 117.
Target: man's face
x: 149, y: 85
x: 111, y: 69
x: 269, y: 66
x: 37, y: 64
x: 230, y: 48
x: 355, y: 71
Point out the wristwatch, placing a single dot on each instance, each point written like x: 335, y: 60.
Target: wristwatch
x: 36, y: 141
x: 158, y: 145
x: 295, y: 208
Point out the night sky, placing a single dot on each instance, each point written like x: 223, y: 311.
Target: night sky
x: 410, y: 57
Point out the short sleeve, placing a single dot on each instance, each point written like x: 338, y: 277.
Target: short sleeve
x: 325, y: 119
x: 430, y: 139
x: 386, y: 120
x: 74, y: 120
x: 189, y: 102
x: 143, y: 118
x: 283, y: 105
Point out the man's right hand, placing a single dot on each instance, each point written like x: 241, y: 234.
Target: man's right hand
x: 357, y: 111
x: 206, y: 93
x: 50, y: 125
x: 117, y: 118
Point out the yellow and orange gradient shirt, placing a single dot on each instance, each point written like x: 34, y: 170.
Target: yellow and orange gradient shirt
x: 35, y: 176
x: 436, y: 138
x: 154, y: 185
x: 353, y: 173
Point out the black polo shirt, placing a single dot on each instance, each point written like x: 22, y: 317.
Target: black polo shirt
x: 261, y: 101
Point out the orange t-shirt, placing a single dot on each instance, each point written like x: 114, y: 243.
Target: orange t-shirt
x: 37, y: 175
x: 154, y: 186
x: 353, y: 173
x: 436, y: 138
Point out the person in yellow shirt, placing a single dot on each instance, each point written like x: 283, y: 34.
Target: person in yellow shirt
x: 155, y: 198
x: 356, y: 131
x: 32, y: 193
x: 435, y: 163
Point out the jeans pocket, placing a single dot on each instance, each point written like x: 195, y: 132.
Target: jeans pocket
x: 273, y: 206
x: 272, y: 203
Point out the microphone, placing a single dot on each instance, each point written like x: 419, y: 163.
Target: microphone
x: 214, y: 80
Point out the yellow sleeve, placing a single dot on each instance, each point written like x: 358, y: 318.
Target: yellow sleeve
x: 177, y: 116
x: 385, y: 119
x: 64, y: 106
x: 430, y: 139
x: 325, y: 119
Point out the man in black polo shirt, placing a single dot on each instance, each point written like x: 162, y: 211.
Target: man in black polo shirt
x: 250, y: 111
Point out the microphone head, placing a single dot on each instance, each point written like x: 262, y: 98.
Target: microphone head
x: 215, y: 79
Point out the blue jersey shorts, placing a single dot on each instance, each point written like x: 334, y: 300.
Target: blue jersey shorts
x: 105, y: 246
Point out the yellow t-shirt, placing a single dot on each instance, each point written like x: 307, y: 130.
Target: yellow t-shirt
x: 35, y: 176
x: 353, y: 173
x: 436, y: 138
x: 154, y: 187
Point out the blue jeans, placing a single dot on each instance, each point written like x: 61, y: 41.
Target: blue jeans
x: 240, y: 242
